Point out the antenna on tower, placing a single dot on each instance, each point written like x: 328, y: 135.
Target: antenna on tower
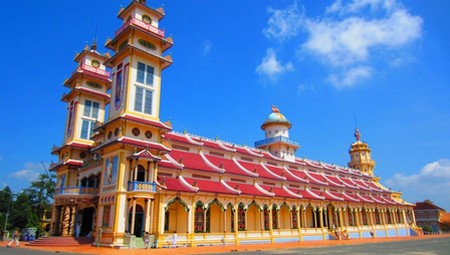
x: 94, y: 43
x: 356, y: 123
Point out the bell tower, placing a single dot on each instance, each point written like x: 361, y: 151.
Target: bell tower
x: 138, y: 62
x: 277, y: 142
x: 360, y: 157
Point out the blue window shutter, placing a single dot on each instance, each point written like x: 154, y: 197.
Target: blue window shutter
x: 148, y: 101
x: 95, y: 107
x: 85, y: 129
x: 87, y: 108
x: 140, y: 72
x: 150, y: 73
x: 138, y: 99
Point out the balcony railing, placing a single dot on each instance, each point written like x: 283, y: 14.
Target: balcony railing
x: 276, y: 139
x: 143, y: 25
x: 142, y: 186
x: 95, y: 70
x: 76, y: 191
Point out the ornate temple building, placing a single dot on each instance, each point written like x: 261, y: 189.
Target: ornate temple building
x: 121, y: 171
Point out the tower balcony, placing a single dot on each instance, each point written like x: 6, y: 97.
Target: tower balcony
x: 276, y: 139
x: 142, y: 186
x: 141, y: 24
x: 74, y: 190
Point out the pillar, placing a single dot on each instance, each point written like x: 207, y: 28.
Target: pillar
x: 133, y: 216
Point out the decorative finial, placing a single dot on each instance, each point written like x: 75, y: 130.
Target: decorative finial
x: 275, y: 109
x: 357, y: 135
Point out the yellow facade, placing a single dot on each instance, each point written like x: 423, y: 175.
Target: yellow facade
x: 134, y: 175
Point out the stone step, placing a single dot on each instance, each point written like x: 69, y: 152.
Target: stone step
x: 61, y: 241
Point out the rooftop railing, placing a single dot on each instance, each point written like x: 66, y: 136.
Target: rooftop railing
x: 143, y: 25
x: 142, y: 186
x: 95, y: 70
x: 76, y: 191
x: 276, y: 139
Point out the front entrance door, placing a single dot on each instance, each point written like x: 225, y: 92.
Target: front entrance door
x: 138, y: 220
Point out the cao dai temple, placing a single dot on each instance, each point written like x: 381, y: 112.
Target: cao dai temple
x: 121, y: 171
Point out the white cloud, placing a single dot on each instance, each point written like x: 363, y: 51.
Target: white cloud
x: 431, y: 182
x: 348, y: 35
x: 351, y: 40
x: 284, y: 24
x: 28, y: 173
x: 350, y: 77
x: 271, y: 67
x: 206, y: 47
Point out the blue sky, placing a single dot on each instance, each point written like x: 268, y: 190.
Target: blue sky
x: 329, y: 66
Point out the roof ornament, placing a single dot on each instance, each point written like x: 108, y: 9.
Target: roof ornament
x: 357, y: 135
x: 275, y: 109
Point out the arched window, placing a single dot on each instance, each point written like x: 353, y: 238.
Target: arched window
x: 241, y: 217
x: 266, y: 218
x: 141, y: 174
x: 199, y: 217
x: 274, y: 217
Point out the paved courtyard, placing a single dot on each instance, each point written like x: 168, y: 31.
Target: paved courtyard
x: 424, y: 245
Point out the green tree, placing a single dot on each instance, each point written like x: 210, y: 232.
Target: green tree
x: 20, y: 211
x: 41, y: 194
x: 5, y: 203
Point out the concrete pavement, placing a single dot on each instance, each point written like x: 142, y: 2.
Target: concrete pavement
x: 279, y: 247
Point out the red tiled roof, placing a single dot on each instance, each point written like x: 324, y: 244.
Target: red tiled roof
x: 333, y: 181
x: 301, y: 175
x: 280, y: 192
x: 175, y: 137
x: 426, y: 206
x: 174, y: 184
x: 362, y: 185
x: 291, y: 176
x: 349, y: 183
x: 276, y: 170
x: 331, y: 195
x: 145, y: 154
x: 350, y: 197
x: 247, y: 189
x: 259, y: 170
x: 167, y: 164
x: 316, y: 178
x: 364, y: 198
x: 208, y: 143
x: 228, y: 165
x: 248, y: 151
x: 377, y: 199
x: 191, y: 160
x: 210, y: 186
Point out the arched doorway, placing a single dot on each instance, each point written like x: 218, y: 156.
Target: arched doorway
x: 138, y: 221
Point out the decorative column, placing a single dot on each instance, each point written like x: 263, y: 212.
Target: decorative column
x: 150, y: 214
x: 320, y: 217
x: 133, y: 216
x: 147, y: 215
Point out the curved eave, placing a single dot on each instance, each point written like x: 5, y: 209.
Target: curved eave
x: 123, y: 13
x: 67, y: 97
x: 166, y: 43
x: 90, y: 75
x: 72, y: 145
x: 282, y: 123
x: 137, y: 120
x: 165, y: 61
x: 70, y: 163
x: 79, y: 56
x: 135, y: 143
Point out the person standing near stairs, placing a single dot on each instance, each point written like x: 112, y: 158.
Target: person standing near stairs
x: 77, y: 229
x: 15, y: 238
x: 146, y: 240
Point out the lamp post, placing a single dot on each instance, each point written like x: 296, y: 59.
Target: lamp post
x: 7, y: 211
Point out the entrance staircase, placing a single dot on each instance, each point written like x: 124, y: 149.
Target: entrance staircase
x: 61, y: 241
